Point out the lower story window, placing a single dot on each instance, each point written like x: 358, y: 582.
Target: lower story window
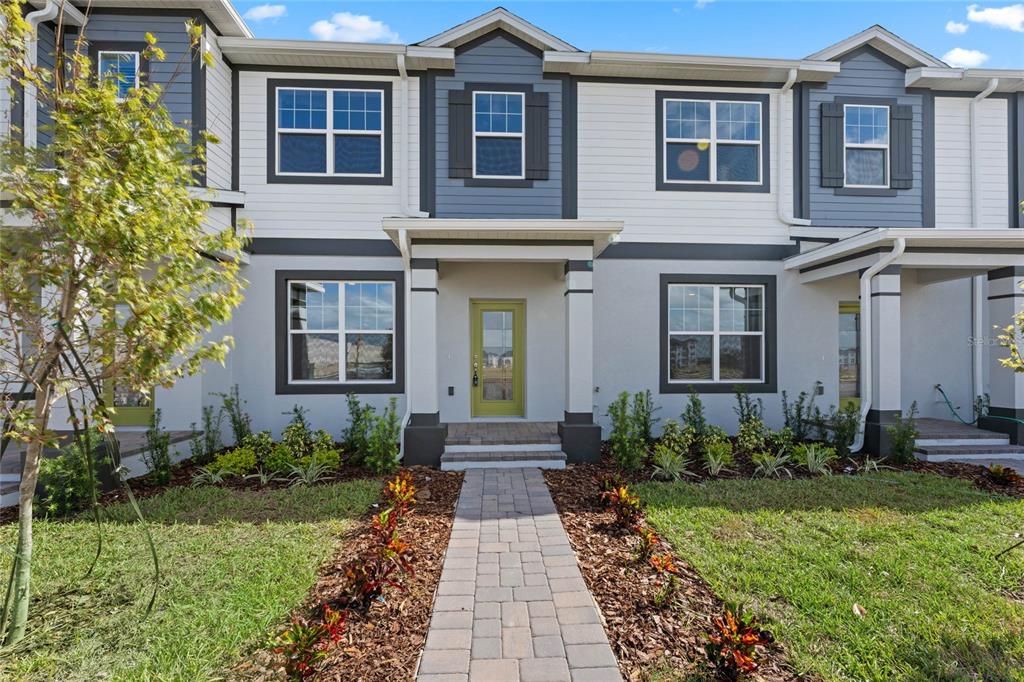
x: 716, y: 333
x: 341, y: 331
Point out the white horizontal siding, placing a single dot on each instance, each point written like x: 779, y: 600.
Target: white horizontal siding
x: 300, y: 210
x: 953, y: 162
x: 218, y: 120
x: 217, y: 219
x: 617, y: 173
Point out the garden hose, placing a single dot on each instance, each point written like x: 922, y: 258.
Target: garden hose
x: 974, y: 421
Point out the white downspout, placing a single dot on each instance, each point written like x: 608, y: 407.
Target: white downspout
x: 898, y: 247
x: 31, y: 117
x: 403, y: 239
x: 977, y: 282
x: 785, y: 216
x: 403, y: 143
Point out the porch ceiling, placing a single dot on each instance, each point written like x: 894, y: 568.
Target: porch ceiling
x: 528, y: 236
x: 926, y: 248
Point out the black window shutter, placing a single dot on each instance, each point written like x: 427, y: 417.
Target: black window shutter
x: 832, y: 171
x: 460, y: 134
x: 537, y: 136
x: 901, y: 146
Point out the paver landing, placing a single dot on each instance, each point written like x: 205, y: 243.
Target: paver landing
x: 512, y: 604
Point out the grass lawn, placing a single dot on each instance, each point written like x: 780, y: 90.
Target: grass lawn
x: 234, y: 564
x: 914, y: 550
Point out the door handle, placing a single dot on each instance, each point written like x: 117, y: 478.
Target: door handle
x: 476, y: 376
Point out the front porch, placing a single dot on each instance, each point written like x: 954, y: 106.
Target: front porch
x: 931, y: 305
x: 501, y: 325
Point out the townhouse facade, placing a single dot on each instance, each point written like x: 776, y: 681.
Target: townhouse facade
x: 492, y: 224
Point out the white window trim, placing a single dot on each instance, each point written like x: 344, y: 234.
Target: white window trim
x: 99, y: 65
x: 328, y: 132
x: 716, y: 333
x: 713, y: 141
x: 521, y: 135
x: 341, y: 331
x: 863, y: 145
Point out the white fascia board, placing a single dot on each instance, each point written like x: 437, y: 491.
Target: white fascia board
x: 882, y: 237
x: 583, y: 62
x: 218, y: 196
x: 512, y: 225
x: 966, y: 80
x: 248, y: 51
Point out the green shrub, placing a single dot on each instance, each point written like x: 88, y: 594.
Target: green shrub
x: 239, y: 462
x: 643, y: 415
x: 780, y: 441
x: 212, y: 420
x: 65, y: 484
x: 746, y: 408
x: 297, y: 436
x: 280, y: 459
x: 677, y: 439
x: 693, y: 416
x: 903, y: 437
x: 713, y: 434
x: 157, y: 455
x: 627, y: 442
x: 718, y: 456
x: 383, y: 444
x: 752, y: 437
x: 241, y: 423
x: 328, y: 457
x: 262, y: 444
x: 799, y: 415
x: 321, y: 440
x: 771, y: 465
x: 356, y: 436
x: 838, y: 427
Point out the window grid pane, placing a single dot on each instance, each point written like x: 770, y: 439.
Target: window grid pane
x: 867, y: 125
x: 120, y: 67
x: 708, y: 126
x: 302, y: 109
x: 738, y: 121
x: 357, y: 110
x: 498, y: 113
x: 716, y: 333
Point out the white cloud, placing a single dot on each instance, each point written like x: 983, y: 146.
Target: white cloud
x: 1011, y: 16
x: 956, y: 27
x: 965, y: 59
x: 262, y: 12
x: 701, y: 4
x: 354, y: 28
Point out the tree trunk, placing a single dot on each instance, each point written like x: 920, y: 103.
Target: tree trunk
x: 21, y: 594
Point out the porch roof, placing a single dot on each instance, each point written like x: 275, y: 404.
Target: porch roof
x: 594, y: 234
x: 967, y: 249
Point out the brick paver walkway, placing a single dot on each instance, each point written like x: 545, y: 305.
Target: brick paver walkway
x: 512, y: 604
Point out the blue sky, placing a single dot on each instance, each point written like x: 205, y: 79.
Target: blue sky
x: 989, y: 35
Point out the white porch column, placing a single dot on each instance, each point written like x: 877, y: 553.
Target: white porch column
x: 424, y: 435
x: 581, y: 438
x: 1006, y: 387
x: 886, y: 393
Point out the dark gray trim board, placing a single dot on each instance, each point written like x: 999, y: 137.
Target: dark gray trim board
x: 1004, y: 273
x: 805, y: 151
x: 767, y: 85
x: 581, y: 442
x: 996, y: 298
x: 993, y: 422
x: 272, y: 175
x: 235, y: 133
x: 864, y: 192
x: 659, y: 132
x: 1015, y: 106
x: 428, y: 132
x: 771, y: 361
x: 423, y: 263
x: 287, y: 246
x: 579, y: 266
x: 281, y: 384
x: 689, y: 251
x: 570, y: 146
x: 577, y: 291
x: 928, y: 160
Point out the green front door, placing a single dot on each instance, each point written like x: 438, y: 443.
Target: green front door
x: 497, y: 358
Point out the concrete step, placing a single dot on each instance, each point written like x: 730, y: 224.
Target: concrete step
x: 505, y: 447
x: 502, y: 459
x: 941, y: 432
x: 968, y: 453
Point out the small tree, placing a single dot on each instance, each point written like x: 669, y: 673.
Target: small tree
x: 108, y: 273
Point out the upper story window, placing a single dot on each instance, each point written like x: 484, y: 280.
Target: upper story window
x: 341, y: 331
x: 330, y: 132
x: 716, y: 333
x: 712, y: 142
x: 866, y: 145
x: 120, y: 67
x: 498, y: 148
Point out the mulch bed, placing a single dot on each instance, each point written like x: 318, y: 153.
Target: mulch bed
x: 646, y: 639
x: 384, y: 643
x: 974, y: 473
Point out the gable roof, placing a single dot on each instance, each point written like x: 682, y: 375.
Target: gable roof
x: 499, y: 17
x: 886, y: 42
x: 221, y: 13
